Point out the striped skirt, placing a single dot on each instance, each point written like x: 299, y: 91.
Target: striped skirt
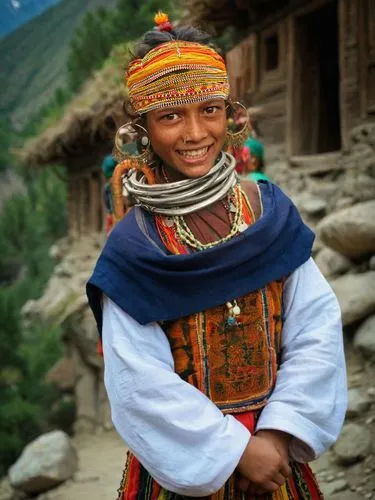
x: 137, y: 484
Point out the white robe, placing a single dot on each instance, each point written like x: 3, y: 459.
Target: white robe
x: 181, y: 437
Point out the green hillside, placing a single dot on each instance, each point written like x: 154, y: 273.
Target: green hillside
x: 33, y: 58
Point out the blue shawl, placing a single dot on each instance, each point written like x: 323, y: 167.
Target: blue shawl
x: 150, y: 284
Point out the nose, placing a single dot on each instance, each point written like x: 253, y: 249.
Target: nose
x: 195, y: 129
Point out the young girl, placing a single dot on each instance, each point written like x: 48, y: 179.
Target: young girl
x: 223, y: 351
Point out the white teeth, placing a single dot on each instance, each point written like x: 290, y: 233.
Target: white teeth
x: 196, y: 153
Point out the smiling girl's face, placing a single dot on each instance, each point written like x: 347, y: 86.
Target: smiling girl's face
x: 188, y: 137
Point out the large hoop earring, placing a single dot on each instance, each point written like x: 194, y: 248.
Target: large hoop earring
x: 138, y: 160
x: 236, y: 140
x: 128, y: 162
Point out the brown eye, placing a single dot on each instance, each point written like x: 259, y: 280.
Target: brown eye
x: 170, y: 117
x: 210, y: 110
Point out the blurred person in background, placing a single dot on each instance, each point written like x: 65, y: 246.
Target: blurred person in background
x: 108, y: 166
x: 250, y: 156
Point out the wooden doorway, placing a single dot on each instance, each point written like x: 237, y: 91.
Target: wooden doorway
x: 315, y: 81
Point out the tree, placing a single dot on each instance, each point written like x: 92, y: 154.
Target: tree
x: 90, y: 46
x: 102, y: 28
x: 29, y: 224
x: 6, y: 138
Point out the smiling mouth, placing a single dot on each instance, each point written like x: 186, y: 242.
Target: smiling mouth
x: 194, y: 154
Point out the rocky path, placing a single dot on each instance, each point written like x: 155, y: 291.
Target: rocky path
x: 101, y: 459
x: 345, y: 473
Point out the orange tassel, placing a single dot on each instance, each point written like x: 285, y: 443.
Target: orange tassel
x: 119, y: 208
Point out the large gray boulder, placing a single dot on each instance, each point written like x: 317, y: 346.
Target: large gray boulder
x: 364, y: 338
x: 313, y: 206
x: 46, y: 462
x: 332, y: 263
x: 350, y: 231
x: 356, y: 295
x: 353, y: 445
x: 358, y: 403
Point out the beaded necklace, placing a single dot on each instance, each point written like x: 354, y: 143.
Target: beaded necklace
x: 176, y: 234
x: 238, y: 225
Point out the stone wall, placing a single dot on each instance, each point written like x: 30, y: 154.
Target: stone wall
x: 64, y: 303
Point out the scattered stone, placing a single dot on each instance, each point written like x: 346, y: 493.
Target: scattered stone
x: 63, y: 271
x: 355, y: 380
x: 370, y: 420
x: 354, y: 444
x: 46, y: 462
x: 371, y: 392
x: 358, y: 403
x: 62, y: 374
x: 6, y: 491
x: 313, y: 206
x: 58, y: 250
x: 362, y: 134
x: 364, y: 338
x: 369, y: 495
x: 356, y: 295
x: 350, y: 231
x: 356, y: 370
x: 361, y: 186
x: 317, y: 246
x: 329, y: 489
x: 332, y: 263
x: 340, y: 474
x: 344, y: 203
x: 372, y: 263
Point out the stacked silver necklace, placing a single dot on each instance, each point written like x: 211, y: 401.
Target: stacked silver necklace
x: 186, y: 196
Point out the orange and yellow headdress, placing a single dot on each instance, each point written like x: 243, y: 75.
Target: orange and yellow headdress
x: 175, y: 73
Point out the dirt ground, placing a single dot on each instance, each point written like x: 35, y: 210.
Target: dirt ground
x: 101, y: 459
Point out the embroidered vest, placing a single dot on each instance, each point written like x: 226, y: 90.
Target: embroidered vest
x: 234, y: 365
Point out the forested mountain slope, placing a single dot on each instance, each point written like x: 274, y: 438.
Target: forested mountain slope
x: 33, y: 58
x: 15, y: 13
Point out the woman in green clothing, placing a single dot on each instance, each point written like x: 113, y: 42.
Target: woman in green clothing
x: 253, y: 155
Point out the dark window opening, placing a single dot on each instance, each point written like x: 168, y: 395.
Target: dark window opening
x: 272, y: 52
x: 316, y: 89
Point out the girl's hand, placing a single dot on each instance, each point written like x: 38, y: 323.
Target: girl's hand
x: 264, y: 463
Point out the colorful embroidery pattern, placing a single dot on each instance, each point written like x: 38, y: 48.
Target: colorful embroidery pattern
x: 175, y: 73
x: 235, y: 366
x: 139, y: 485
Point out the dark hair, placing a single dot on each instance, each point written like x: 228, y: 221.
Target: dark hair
x: 153, y: 38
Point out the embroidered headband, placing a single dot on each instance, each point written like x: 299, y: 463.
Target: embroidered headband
x: 174, y: 73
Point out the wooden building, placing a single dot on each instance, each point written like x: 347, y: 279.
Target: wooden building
x: 309, y: 65
x: 80, y: 141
